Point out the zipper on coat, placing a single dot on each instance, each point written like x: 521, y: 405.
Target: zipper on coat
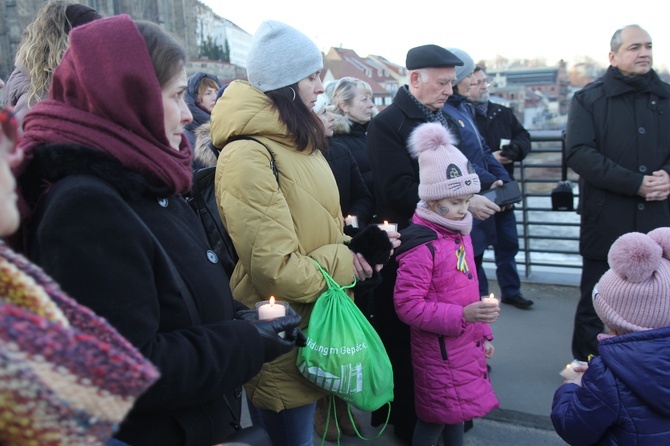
x: 443, y: 348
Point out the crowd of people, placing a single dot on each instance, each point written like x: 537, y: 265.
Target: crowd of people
x: 118, y: 312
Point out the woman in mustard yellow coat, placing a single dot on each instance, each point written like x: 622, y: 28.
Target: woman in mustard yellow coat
x: 280, y: 224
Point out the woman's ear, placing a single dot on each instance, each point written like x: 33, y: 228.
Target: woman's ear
x: 343, y: 106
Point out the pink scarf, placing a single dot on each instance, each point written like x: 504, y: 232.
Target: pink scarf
x: 463, y: 226
x: 105, y: 95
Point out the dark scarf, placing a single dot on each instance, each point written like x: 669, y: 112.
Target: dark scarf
x: 105, y: 95
x: 639, y: 83
x: 431, y: 116
x: 482, y: 108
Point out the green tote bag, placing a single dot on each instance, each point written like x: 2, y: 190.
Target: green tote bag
x: 344, y: 353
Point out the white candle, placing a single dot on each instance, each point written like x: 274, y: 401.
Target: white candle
x: 490, y: 299
x: 568, y: 372
x: 351, y: 220
x: 270, y: 309
x: 388, y: 226
x: 504, y: 142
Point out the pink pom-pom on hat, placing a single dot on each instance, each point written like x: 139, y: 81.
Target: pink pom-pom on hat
x: 443, y: 170
x: 634, y: 295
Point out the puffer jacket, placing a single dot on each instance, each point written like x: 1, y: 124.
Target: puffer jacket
x: 279, y: 226
x: 625, y: 394
x: 451, y: 383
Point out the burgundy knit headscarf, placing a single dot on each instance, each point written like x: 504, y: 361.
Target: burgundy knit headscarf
x: 105, y: 95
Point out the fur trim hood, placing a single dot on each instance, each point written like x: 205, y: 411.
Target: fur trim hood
x: 202, y: 154
x: 343, y: 126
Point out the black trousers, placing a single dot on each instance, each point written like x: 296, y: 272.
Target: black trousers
x: 587, y: 323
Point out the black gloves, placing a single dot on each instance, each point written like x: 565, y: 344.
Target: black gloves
x: 274, y: 345
x: 373, y: 243
x: 511, y: 151
x: 351, y: 231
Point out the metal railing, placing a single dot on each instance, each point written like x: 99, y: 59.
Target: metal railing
x: 549, y: 240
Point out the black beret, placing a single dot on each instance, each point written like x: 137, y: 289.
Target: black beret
x: 430, y: 56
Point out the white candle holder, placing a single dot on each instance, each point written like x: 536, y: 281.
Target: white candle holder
x: 270, y: 309
x: 351, y: 220
x: 386, y: 226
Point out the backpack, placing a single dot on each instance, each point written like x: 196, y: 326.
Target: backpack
x: 202, y: 199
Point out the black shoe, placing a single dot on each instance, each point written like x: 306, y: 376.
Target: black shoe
x: 518, y: 301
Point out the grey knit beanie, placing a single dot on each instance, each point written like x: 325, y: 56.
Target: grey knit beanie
x: 281, y: 56
x: 468, y: 64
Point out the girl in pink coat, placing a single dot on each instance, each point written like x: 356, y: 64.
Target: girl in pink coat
x: 437, y: 294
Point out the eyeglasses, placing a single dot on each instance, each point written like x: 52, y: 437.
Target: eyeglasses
x: 9, y: 127
x: 480, y: 82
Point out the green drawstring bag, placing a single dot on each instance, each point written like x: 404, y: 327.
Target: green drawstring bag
x: 344, y: 353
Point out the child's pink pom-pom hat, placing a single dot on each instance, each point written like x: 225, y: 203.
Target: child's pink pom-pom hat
x: 634, y: 295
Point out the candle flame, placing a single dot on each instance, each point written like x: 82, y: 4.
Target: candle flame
x: 491, y: 295
x: 272, y: 300
x: 386, y: 223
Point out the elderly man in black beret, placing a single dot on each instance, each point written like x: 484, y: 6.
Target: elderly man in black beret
x: 431, y: 72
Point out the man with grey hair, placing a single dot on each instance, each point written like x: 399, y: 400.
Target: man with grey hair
x: 431, y: 72
x: 618, y: 141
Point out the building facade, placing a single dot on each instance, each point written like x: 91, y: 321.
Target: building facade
x: 176, y: 16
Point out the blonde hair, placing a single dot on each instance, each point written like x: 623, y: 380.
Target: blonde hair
x: 345, y: 91
x: 42, y: 46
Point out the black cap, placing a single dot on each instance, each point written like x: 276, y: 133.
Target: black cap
x: 430, y: 56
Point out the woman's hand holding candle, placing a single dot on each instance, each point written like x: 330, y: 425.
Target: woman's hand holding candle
x: 271, y: 309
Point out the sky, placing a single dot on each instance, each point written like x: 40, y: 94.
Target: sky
x: 514, y: 29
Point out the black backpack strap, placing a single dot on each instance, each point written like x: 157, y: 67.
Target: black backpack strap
x: 215, y: 150
x: 273, y: 166
x: 431, y: 248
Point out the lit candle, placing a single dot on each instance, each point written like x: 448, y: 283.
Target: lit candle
x: 351, y: 220
x: 490, y: 299
x: 270, y: 309
x: 568, y: 372
x: 388, y: 226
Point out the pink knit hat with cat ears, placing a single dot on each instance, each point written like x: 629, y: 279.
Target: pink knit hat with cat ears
x: 634, y: 295
x: 443, y: 170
